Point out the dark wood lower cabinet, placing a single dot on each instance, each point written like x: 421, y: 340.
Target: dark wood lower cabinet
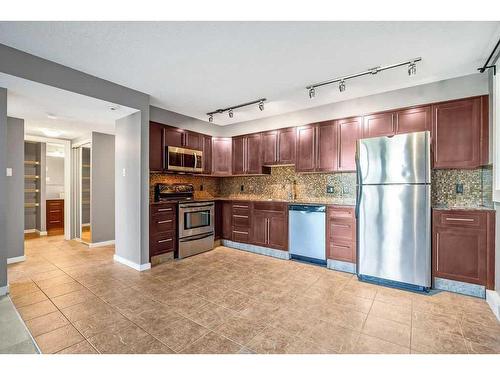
x: 341, y: 234
x: 54, y: 214
x: 463, y: 246
x: 162, y: 228
x: 227, y: 220
x: 270, y: 225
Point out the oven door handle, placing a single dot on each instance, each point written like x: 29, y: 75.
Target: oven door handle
x: 196, y: 206
x: 197, y: 237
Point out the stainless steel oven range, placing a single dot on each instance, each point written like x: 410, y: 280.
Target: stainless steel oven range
x: 196, y: 227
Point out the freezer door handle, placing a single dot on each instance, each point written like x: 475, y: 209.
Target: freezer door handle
x: 359, y: 177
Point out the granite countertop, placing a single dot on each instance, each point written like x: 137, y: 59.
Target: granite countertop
x: 332, y: 201
x: 462, y: 208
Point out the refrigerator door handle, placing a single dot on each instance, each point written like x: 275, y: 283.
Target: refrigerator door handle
x: 359, y: 178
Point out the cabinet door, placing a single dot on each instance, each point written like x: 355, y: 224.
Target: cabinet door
x: 221, y: 156
x: 253, y: 154
x: 456, y: 134
x: 193, y: 140
x: 238, y: 155
x: 218, y: 222
x: 326, y: 150
x: 173, y: 137
x: 155, y: 146
x: 259, y: 228
x: 348, y: 132
x: 227, y: 220
x: 270, y: 147
x: 460, y: 254
x: 378, y: 125
x: 306, y: 149
x: 413, y: 120
x: 286, y: 146
x: 277, y: 231
x: 207, y: 154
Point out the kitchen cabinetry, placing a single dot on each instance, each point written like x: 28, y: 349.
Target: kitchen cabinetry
x: 241, y: 213
x: 306, y: 148
x: 182, y: 138
x: 207, y: 154
x: 316, y: 147
x: 155, y: 146
x: 278, y: 147
x: 221, y: 156
x: 247, y: 155
x: 270, y: 225
x: 227, y: 220
x: 348, y: 132
x: 463, y: 246
x: 460, y: 133
x: 341, y: 234
x: 414, y: 119
x: 378, y: 125
x: 162, y: 228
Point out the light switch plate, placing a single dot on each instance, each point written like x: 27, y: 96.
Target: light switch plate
x: 124, y: 172
x: 8, y: 172
x: 459, y: 188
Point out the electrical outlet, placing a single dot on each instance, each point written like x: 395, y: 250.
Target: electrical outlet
x: 242, y: 187
x: 459, y: 188
x: 201, y: 187
x: 329, y: 189
x: 345, y: 190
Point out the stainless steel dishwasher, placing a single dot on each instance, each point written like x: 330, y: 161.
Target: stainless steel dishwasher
x: 307, y: 232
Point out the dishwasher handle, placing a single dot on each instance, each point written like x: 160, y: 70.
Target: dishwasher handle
x: 307, y: 208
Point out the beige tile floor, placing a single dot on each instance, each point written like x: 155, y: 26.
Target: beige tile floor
x: 77, y: 300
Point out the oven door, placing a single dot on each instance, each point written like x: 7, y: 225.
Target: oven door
x: 196, y: 218
x: 184, y: 159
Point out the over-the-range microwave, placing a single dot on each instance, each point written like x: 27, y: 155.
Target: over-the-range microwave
x: 183, y: 159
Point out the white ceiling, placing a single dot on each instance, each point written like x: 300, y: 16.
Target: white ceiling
x: 76, y: 115
x: 195, y: 67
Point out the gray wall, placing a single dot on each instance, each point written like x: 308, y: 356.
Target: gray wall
x: 27, y: 66
x: 128, y: 190
x: 54, y: 177
x: 165, y: 116
x: 103, y: 187
x: 15, y: 192
x: 3, y: 187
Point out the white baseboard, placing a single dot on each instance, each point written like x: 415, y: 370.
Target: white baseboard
x: 135, y: 266
x: 493, y: 299
x: 41, y: 233
x: 30, y: 231
x: 4, y: 290
x: 86, y: 225
x: 102, y: 243
x: 22, y: 258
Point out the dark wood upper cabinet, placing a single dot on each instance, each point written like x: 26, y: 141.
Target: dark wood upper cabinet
x: 348, y: 132
x: 463, y: 246
x: 253, y: 154
x: 173, y: 136
x: 221, y: 156
x: 238, y: 155
x: 155, y: 146
x: 286, y: 145
x: 207, y: 154
x: 460, y: 133
x: 193, y: 140
x: 306, y: 149
x: 413, y: 119
x: 326, y: 147
x: 378, y: 125
x: 269, y: 147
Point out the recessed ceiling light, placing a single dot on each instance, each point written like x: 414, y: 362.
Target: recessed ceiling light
x: 114, y: 107
x: 53, y: 133
x: 51, y: 116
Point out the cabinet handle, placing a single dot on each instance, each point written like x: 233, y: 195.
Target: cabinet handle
x: 342, y: 246
x: 240, y: 232
x: 167, y: 240
x: 458, y: 219
x: 267, y: 223
x: 243, y: 216
x: 342, y: 225
x: 437, y: 252
x: 164, y: 209
x: 164, y: 221
x: 239, y: 206
x: 55, y: 211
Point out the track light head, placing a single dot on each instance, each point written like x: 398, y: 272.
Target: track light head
x: 412, y: 69
x: 210, y: 118
x: 230, y: 113
x: 342, y: 86
x: 312, y: 93
x: 261, y: 105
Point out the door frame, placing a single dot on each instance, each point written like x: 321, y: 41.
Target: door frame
x: 67, y: 176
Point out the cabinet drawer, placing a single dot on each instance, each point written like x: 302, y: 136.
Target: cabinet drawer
x: 342, y: 231
x: 241, y: 206
x: 241, y: 235
x: 242, y: 221
x: 462, y: 219
x: 55, y: 204
x: 163, y: 243
x: 270, y: 206
x: 339, y: 212
x: 163, y: 208
x: 163, y: 222
x: 342, y: 251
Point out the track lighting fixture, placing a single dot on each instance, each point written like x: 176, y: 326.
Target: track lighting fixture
x: 342, y: 86
x: 412, y: 70
x: 230, y: 110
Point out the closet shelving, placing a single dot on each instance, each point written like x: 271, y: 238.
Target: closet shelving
x: 32, y: 183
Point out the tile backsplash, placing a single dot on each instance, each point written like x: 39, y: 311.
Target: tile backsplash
x: 477, y: 186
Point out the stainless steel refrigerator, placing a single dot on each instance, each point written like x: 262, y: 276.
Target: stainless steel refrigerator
x: 393, y: 209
